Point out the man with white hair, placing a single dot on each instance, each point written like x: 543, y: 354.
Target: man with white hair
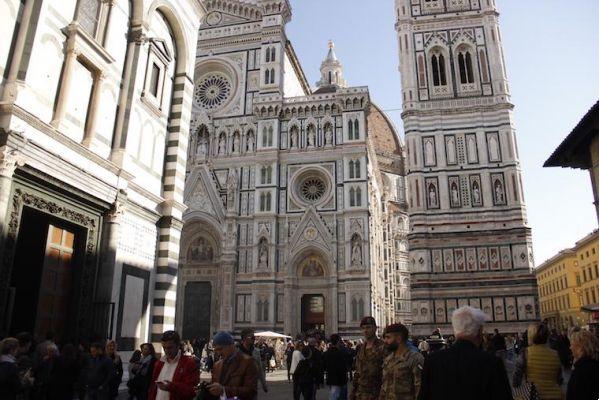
x: 465, y: 371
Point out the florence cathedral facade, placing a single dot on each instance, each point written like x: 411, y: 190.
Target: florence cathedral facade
x: 296, y: 215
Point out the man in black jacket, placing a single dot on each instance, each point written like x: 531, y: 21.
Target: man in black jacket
x: 335, y: 367
x: 99, y: 374
x: 465, y: 372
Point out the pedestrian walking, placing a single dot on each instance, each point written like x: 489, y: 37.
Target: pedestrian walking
x: 464, y: 371
x: 583, y: 384
x: 335, y: 368
x: 42, y: 373
x: 297, y: 357
x: 369, y: 363
x: 10, y: 385
x: 306, y: 375
x: 175, y: 375
x: 539, y: 365
x: 402, y: 368
x: 235, y: 374
x: 247, y: 346
x: 288, y: 357
x: 99, y: 374
x: 141, y: 373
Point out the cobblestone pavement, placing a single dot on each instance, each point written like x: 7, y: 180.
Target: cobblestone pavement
x: 278, y: 388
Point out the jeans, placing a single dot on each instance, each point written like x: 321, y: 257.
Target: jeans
x: 338, y: 392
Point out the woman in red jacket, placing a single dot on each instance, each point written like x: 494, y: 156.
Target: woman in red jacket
x: 175, y: 375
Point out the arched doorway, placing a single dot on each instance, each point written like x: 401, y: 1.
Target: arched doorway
x: 314, y: 312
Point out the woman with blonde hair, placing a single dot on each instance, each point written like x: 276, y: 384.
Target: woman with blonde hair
x: 118, y: 368
x: 540, y: 365
x: 584, y: 381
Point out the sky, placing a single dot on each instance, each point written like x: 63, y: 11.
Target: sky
x: 553, y: 66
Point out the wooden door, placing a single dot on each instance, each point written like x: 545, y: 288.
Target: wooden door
x: 56, y: 284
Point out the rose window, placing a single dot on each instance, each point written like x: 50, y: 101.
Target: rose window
x: 213, y: 91
x: 312, y: 189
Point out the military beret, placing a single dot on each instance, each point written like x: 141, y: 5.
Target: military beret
x: 368, y: 321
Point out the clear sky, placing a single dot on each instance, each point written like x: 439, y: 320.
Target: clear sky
x: 553, y: 65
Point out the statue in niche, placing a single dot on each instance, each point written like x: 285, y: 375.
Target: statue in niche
x: 432, y: 196
x: 249, y: 145
x: 472, y: 156
x: 328, y: 136
x: 430, y: 152
x: 356, y: 251
x: 222, y: 144
x: 455, y: 195
x: 311, y: 136
x: 293, y: 138
x: 263, y: 254
x: 476, y: 193
x: 202, y: 148
x: 499, y: 194
x: 235, y: 148
x: 231, y: 188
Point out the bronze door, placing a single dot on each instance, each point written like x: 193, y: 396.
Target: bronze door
x: 56, y: 283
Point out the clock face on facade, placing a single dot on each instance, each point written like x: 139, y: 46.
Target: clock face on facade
x: 213, y: 91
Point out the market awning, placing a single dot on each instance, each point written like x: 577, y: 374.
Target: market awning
x: 269, y: 334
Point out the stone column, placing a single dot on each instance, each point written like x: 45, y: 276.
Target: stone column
x: 10, y: 159
x: 65, y: 86
x: 90, y: 129
x: 10, y: 88
x: 227, y: 277
x: 136, y: 39
x: 111, y: 233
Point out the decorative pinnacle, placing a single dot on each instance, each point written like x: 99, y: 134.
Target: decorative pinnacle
x: 331, y: 44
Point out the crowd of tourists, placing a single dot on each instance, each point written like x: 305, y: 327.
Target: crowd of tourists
x: 467, y: 365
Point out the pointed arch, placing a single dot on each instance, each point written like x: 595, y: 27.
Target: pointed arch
x: 267, y: 77
x: 272, y: 75
x: 350, y: 130
x: 356, y: 129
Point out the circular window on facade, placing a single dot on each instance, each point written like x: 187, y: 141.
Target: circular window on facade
x: 311, y: 186
x: 213, y: 91
x: 312, y: 189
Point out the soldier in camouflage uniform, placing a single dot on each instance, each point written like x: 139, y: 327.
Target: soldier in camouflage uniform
x: 368, y: 364
x: 402, y: 368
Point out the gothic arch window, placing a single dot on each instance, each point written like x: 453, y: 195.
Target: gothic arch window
x: 93, y: 16
x: 267, y: 76
x: 270, y: 136
x: 267, y: 55
x: 438, y: 69
x: 351, y: 169
x: 356, y: 130
x: 330, y: 77
x: 273, y: 54
x: 265, y: 201
x: 272, y: 76
x: 266, y: 175
x: 351, y: 130
x: 465, y: 66
x: 352, y: 197
x: 265, y: 137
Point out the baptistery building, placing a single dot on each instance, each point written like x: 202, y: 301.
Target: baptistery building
x: 296, y: 213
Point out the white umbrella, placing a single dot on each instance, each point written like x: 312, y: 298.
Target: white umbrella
x: 269, y: 334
